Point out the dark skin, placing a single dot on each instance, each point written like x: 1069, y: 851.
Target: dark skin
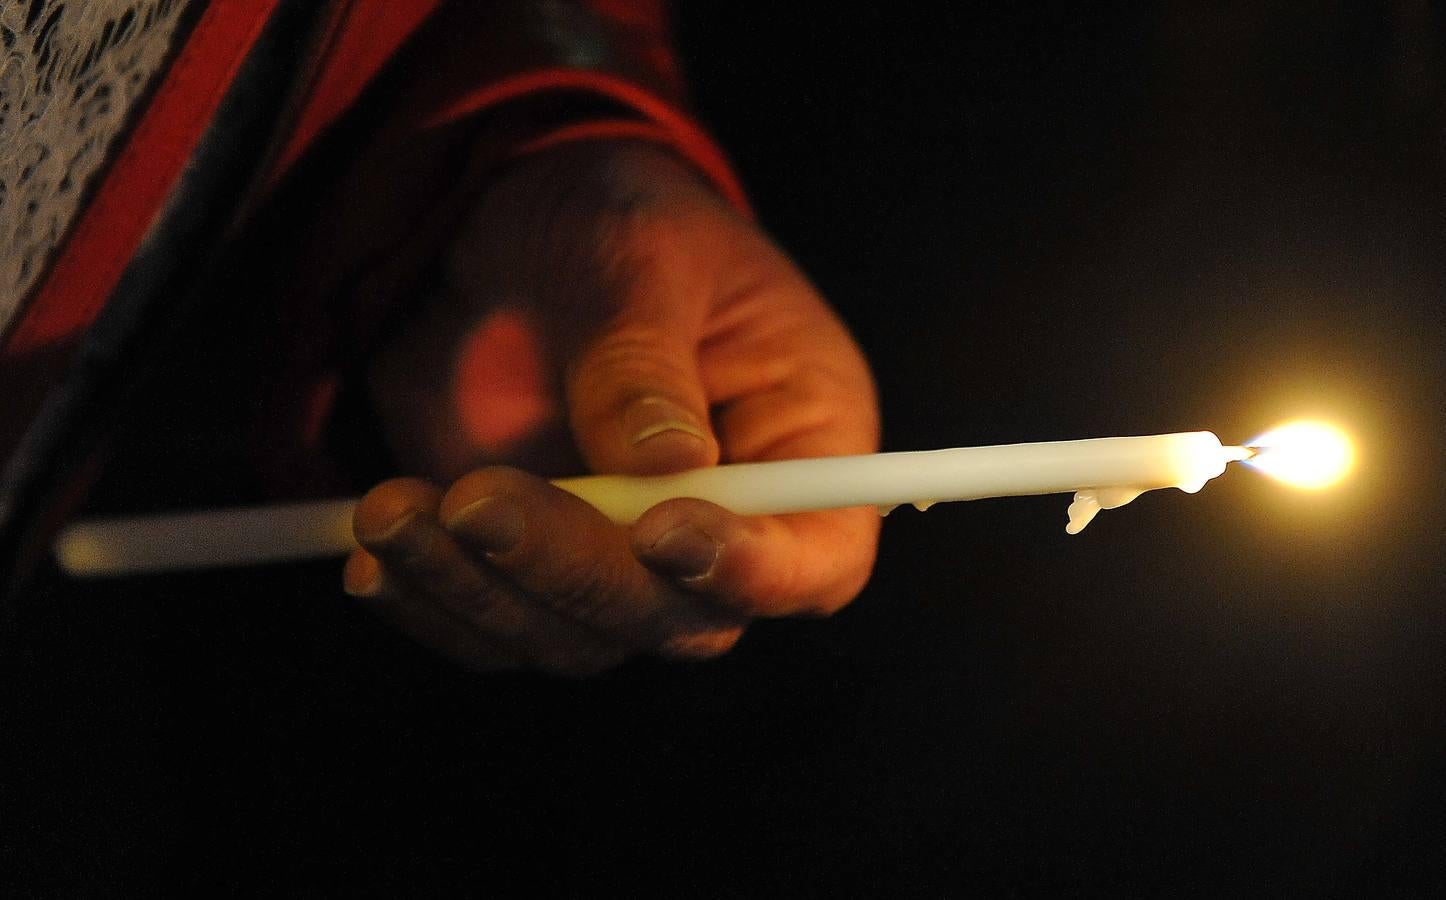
x: 667, y: 333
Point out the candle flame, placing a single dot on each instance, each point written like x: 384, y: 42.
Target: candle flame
x: 1305, y: 454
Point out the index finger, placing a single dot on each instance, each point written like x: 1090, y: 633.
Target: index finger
x: 789, y: 383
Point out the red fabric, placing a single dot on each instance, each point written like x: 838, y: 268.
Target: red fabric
x: 366, y: 33
x: 469, y: 76
x: 669, y: 124
x: 701, y: 154
x: 369, y: 32
x: 603, y: 130
x: 138, y: 182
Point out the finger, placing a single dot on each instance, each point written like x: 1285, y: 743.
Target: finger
x: 385, y: 506
x: 635, y: 398
x: 397, y: 523
x: 802, y: 564
x: 790, y: 384
x: 706, y: 644
x: 426, y: 623
x: 560, y: 550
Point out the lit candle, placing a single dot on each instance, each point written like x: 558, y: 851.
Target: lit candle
x: 1103, y: 473
x: 1106, y: 472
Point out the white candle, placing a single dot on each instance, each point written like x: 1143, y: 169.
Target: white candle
x: 206, y: 539
x: 1104, y: 472
x: 886, y: 480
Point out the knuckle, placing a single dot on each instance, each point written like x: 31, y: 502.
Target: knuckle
x: 625, y: 356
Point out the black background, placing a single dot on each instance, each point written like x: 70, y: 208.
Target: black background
x: 1049, y: 223
x: 1041, y: 224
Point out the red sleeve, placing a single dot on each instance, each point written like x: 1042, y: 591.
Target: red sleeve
x: 479, y: 57
x: 506, y: 79
x: 488, y: 67
x: 466, y: 63
x: 140, y: 177
x: 473, y: 58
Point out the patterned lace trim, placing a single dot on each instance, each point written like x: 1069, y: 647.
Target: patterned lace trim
x: 70, y: 74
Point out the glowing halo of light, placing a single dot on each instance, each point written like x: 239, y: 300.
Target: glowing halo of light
x: 1303, y: 453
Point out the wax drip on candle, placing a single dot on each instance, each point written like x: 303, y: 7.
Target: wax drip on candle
x: 1088, y: 503
x: 920, y: 505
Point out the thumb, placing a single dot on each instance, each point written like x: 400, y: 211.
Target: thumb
x: 637, y: 405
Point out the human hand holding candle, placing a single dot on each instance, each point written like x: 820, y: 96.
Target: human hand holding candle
x: 600, y: 299
x: 696, y: 340
x: 661, y: 331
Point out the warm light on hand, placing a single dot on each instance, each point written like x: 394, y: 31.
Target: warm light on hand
x: 1305, y: 454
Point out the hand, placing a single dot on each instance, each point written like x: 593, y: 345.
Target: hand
x: 603, y: 302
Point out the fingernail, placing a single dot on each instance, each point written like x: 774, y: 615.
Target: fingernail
x: 494, y: 523
x: 364, y: 590
x: 685, y: 553
x: 652, y: 416
x: 362, y: 577
x: 402, y: 534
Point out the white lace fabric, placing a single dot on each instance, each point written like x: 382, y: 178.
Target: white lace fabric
x: 71, y: 72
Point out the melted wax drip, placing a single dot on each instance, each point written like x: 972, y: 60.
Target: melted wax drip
x: 1088, y: 503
